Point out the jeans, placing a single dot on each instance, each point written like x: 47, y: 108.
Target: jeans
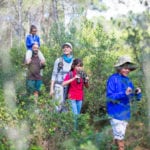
x: 76, y: 106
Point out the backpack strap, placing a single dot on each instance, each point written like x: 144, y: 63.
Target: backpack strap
x: 60, y: 64
x: 70, y: 74
x: 66, y: 89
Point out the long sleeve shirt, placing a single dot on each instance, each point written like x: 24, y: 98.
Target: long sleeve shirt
x: 118, y: 103
x: 59, y: 74
x: 30, y: 40
x: 75, y: 88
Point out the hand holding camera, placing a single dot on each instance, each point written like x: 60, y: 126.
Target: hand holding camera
x: 82, y: 75
x: 128, y: 91
x: 137, y: 90
x: 78, y: 76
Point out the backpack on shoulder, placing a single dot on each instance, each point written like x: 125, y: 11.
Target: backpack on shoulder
x: 66, y: 88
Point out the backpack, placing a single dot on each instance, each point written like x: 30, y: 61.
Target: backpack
x: 66, y: 88
x: 60, y: 64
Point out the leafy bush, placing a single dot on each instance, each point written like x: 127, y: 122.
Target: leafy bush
x: 46, y: 128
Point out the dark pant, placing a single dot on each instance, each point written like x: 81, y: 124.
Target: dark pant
x: 33, y: 85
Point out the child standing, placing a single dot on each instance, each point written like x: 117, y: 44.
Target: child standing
x: 32, y: 39
x: 76, y: 79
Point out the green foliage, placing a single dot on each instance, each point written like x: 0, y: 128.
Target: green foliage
x: 34, y: 147
x: 99, y: 50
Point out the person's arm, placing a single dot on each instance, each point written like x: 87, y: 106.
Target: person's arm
x: 53, y: 78
x: 138, y: 94
x: 68, y: 80
x: 52, y: 88
x: 29, y: 42
x: 86, y: 84
x: 41, y: 57
x: 112, y: 93
x: 42, y: 65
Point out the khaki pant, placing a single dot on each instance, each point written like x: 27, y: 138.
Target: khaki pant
x: 60, y: 98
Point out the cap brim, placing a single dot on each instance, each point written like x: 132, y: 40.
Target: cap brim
x: 66, y: 45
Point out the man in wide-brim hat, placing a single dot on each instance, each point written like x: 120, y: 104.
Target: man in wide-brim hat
x: 120, y: 91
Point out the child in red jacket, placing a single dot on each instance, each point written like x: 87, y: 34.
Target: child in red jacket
x: 77, y: 82
x: 76, y: 79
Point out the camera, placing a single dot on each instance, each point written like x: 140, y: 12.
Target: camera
x: 82, y: 75
x: 136, y: 91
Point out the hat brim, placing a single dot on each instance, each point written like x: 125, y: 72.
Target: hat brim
x: 123, y: 63
x: 131, y: 66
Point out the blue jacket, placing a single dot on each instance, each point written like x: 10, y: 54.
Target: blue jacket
x: 30, y: 39
x: 118, y: 103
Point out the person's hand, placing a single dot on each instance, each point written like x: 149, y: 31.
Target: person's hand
x: 87, y: 78
x: 81, y: 68
x: 77, y: 76
x: 28, y: 61
x: 128, y: 91
x: 137, y: 90
x: 51, y: 93
x: 42, y: 62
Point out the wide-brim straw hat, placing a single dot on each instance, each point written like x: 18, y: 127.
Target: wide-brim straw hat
x: 122, y: 60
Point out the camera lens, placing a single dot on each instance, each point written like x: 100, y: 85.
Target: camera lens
x: 84, y: 77
x: 78, y: 79
x: 136, y: 91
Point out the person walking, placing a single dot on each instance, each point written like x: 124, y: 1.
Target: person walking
x: 34, y: 78
x: 61, y: 67
x: 76, y: 79
x: 120, y: 91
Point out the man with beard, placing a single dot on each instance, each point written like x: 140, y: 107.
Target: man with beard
x: 34, y: 78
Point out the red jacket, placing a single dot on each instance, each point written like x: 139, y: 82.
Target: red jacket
x: 75, y: 89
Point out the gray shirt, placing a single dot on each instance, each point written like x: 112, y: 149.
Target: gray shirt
x: 59, y: 75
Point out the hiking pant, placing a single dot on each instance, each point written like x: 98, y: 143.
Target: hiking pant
x: 60, y: 98
x: 33, y: 86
